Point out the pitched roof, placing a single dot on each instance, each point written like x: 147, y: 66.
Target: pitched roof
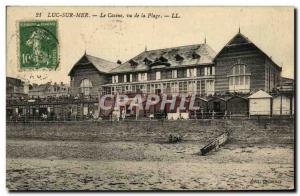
x: 237, y: 96
x: 205, y: 52
x: 240, y: 39
x: 259, y: 94
x: 40, y: 88
x: 286, y: 80
x: 100, y: 64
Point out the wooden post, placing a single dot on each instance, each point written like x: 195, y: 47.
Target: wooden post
x: 271, y: 105
x: 280, y: 104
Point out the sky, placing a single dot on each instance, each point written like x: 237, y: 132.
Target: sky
x: 121, y: 38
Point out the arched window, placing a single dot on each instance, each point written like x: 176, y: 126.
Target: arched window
x: 85, y: 86
x: 239, y: 78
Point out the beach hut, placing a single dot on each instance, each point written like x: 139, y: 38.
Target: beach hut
x: 237, y: 106
x: 260, y: 103
x: 217, y: 105
x: 201, y: 102
x: 282, y: 104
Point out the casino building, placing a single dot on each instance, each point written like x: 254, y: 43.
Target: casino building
x: 239, y: 67
x: 220, y: 80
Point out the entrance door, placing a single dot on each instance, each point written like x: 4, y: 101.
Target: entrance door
x: 216, y: 106
x: 157, y: 91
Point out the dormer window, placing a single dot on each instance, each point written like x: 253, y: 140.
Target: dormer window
x: 147, y: 61
x: 178, y: 57
x: 195, y: 55
x: 163, y: 59
x: 133, y: 63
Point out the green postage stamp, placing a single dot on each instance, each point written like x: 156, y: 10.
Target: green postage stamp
x: 38, y: 45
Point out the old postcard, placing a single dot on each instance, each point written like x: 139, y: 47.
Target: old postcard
x: 150, y: 98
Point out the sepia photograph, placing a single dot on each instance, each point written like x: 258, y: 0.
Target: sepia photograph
x: 150, y: 98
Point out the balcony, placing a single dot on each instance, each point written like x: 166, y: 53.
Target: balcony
x: 162, y: 80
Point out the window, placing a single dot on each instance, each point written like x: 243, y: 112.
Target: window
x: 163, y: 75
x: 209, y: 71
x: 118, y: 89
x: 85, y: 86
x: 213, y: 71
x: 85, y: 109
x: 174, y: 73
x: 164, y: 87
x: 174, y: 87
x: 157, y: 88
x: 125, y: 78
x: 134, y: 77
x: 191, y: 87
x: 142, y: 88
x: 188, y: 73
x: 195, y: 55
x: 152, y: 89
x: 158, y: 75
x: 239, y: 79
x: 169, y: 74
x: 168, y: 88
x: 115, y: 79
x: 142, y: 77
x: 113, y: 90
x: 178, y: 57
x: 210, y: 87
x: 199, y: 87
x: 148, y: 88
x: 200, y: 71
x: 183, y: 87
x: 192, y: 72
x: 133, y: 88
x: 147, y: 61
x: 128, y: 88
x: 181, y: 73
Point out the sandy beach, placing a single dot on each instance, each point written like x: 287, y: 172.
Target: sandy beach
x: 75, y: 165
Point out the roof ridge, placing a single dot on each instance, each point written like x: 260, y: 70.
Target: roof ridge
x: 158, y: 49
x: 239, y: 33
x: 250, y: 42
x: 99, y: 58
x: 176, y: 47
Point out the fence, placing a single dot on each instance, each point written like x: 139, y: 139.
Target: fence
x: 79, y: 109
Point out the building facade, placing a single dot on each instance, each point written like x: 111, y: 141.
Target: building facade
x: 239, y: 81
x: 240, y: 67
x: 48, y: 90
x: 16, y: 88
x: 89, y: 74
